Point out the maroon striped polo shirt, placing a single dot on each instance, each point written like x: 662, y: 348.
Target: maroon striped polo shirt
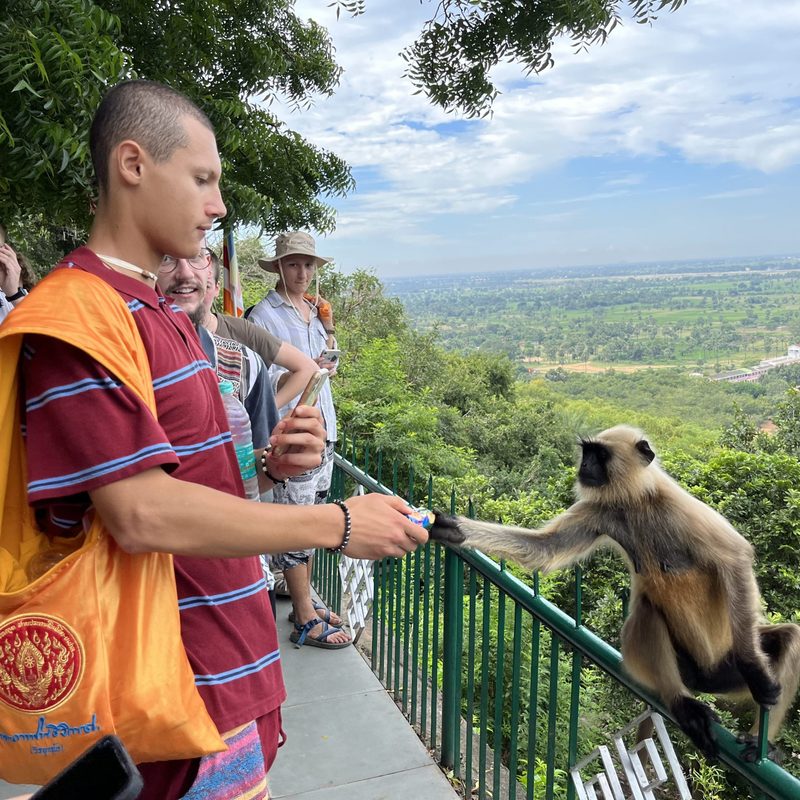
x: 84, y: 430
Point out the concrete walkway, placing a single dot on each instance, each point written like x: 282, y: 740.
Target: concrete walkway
x: 347, y: 740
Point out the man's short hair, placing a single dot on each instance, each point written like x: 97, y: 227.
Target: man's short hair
x: 147, y: 112
x: 216, y: 265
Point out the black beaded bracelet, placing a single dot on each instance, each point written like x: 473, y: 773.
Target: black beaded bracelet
x: 348, y: 528
x: 264, y: 453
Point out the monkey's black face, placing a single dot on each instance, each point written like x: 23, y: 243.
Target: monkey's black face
x: 593, y: 470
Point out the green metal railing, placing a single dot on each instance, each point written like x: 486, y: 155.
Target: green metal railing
x: 472, y: 656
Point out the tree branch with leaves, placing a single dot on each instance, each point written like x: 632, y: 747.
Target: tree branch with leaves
x: 232, y: 57
x: 452, y: 58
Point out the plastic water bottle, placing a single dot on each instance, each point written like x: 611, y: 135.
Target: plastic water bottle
x: 48, y: 557
x: 242, y: 436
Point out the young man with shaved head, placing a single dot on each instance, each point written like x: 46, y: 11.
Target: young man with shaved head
x: 169, y: 482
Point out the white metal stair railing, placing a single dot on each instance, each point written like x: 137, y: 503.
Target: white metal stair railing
x: 355, y: 575
x: 642, y: 781
x: 357, y: 592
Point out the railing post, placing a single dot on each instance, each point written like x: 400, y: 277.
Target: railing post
x: 451, y: 659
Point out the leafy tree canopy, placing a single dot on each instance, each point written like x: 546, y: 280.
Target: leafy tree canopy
x: 232, y: 57
x: 464, y: 39
x: 55, y: 60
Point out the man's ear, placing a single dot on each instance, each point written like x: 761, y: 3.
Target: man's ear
x: 128, y: 160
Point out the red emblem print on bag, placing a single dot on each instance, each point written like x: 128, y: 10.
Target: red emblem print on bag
x: 41, y: 662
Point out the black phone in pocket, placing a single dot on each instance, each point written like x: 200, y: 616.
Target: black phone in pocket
x: 103, y: 772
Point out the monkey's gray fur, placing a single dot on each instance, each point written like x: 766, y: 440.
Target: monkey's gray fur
x: 695, y: 621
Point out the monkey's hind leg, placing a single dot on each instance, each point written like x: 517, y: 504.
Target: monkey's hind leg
x: 781, y: 645
x: 649, y: 657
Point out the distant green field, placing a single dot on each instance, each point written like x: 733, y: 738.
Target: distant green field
x: 699, y: 321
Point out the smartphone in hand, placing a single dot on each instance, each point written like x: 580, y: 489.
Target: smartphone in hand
x: 310, y: 394
x: 330, y: 355
x: 103, y: 772
x: 309, y: 397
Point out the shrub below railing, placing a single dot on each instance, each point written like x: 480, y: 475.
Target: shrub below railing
x: 506, y: 688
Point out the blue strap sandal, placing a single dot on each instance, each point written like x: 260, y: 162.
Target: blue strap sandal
x: 300, y: 635
x: 324, y: 614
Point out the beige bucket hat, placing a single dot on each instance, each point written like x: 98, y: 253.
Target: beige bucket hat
x: 289, y: 244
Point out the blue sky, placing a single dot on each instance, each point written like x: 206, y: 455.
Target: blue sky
x: 680, y: 140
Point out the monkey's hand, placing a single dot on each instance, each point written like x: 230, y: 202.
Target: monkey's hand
x: 446, y: 529
x: 765, y: 689
x: 697, y: 720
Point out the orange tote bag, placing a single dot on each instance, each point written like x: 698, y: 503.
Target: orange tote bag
x: 92, y: 646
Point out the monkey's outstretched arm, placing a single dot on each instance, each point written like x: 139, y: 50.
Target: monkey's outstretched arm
x: 561, y: 542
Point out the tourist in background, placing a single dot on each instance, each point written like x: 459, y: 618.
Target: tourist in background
x: 12, y: 290
x: 293, y: 316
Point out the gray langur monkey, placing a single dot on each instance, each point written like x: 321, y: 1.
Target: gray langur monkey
x: 695, y: 622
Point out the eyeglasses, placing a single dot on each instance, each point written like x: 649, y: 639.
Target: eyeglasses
x: 168, y: 263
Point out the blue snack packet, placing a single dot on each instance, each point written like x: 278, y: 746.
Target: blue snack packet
x: 422, y: 517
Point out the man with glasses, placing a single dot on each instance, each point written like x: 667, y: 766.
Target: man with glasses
x: 187, y: 281
x: 184, y: 286
x: 183, y: 279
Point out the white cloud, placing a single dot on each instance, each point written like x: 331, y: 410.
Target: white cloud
x: 631, y: 179
x: 713, y: 83
x: 735, y: 194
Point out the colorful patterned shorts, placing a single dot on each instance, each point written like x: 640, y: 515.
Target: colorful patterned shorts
x: 236, y: 774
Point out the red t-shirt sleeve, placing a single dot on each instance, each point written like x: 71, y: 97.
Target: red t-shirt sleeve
x: 84, y: 428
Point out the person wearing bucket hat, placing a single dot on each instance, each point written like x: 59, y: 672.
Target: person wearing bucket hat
x: 296, y: 243
x: 300, y: 244
x: 294, y: 316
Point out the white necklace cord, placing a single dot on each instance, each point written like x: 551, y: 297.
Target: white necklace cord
x: 126, y: 265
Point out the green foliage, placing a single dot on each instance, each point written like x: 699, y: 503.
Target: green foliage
x: 42, y: 243
x: 668, y: 406
x: 540, y: 780
x: 787, y: 418
x: 376, y: 404
x: 707, y: 780
x: 57, y: 57
x: 521, y: 445
x: 272, y: 177
x: 487, y: 685
x: 361, y: 309
x: 473, y: 384
x: 741, y: 433
x: 697, y: 319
